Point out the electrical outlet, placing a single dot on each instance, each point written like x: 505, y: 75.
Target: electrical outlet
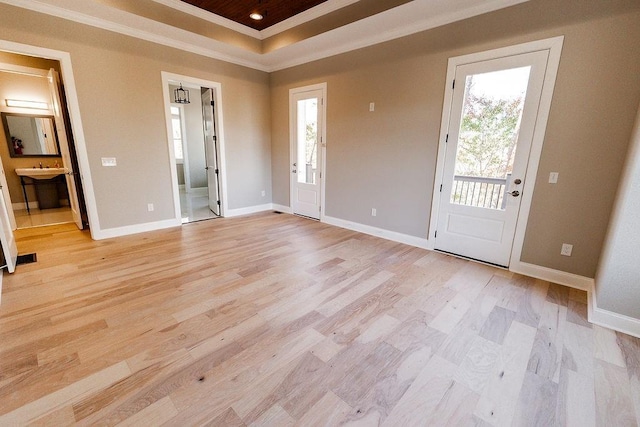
x: 264, y: 193
x: 372, y: 106
x: 150, y: 207
x: 566, y: 249
x: 553, y: 178
x: 109, y: 161
x: 374, y: 212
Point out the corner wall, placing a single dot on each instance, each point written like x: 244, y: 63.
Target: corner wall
x: 120, y: 93
x: 386, y: 159
x: 617, y: 288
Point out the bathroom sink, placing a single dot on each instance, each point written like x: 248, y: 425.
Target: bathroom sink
x: 44, y: 173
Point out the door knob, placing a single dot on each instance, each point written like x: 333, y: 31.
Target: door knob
x: 294, y: 171
x: 514, y: 193
x: 517, y: 181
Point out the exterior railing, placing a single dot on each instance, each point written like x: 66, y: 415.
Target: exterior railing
x: 480, y: 192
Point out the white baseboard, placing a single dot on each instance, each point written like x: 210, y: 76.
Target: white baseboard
x: 281, y: 208
x: 609, y: 319
x: 134, y: 229
x: 379, y: 232
x: 551, y: 275
x: 229, y: 213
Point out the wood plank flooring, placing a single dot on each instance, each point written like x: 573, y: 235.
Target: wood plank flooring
x: 275, y: 320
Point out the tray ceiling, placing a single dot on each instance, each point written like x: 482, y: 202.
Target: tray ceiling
x: 273, y: 11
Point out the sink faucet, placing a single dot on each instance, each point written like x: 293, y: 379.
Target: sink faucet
x: 40, y: 165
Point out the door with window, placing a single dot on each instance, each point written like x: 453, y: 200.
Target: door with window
x: 493, y: 113
x: 211, y: 151
x: 307, y: 124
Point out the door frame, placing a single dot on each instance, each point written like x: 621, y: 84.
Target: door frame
x: 73, y: 106
x: 554, y: 47
x: 323, y: 145
x: 191, y: 82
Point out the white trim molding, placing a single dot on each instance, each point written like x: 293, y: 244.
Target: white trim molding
x: 108, y: 233
x: 197, y: 83
x: 554, y: 47
x: 73, y: 106
x: 609, y: 319
x: 281, y: 208
x: 379, y: 232
x: 408, y: 18
x: 551, y: 275
x: 248, y: 210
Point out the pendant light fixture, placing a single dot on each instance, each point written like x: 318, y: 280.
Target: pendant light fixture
x: 181, y: 96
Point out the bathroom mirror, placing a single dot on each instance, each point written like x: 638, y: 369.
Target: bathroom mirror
x: 30, y: 135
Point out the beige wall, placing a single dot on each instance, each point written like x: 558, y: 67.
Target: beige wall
x: 120, y: 95
x: 386, y: 159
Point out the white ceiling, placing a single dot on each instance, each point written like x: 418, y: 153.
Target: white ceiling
x: 409, y: 18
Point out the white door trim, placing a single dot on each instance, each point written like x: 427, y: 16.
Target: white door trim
x: 323, y: 147
x: 192, y: 82
x: 66, y: 71
x: 554, y: 46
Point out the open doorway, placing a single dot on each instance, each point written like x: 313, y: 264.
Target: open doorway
x: 197, y: 154
x: 37, y: 154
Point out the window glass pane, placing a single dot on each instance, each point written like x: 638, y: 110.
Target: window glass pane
x: 307, y: 140
x: 489, y: 128
x: 177, y: 133
x: 177, y: 147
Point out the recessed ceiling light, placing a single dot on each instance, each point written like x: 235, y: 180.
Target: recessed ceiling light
x: 256, y: 16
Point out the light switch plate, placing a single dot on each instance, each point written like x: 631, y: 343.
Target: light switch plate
x: 553, y: 178
x: 109, y: 161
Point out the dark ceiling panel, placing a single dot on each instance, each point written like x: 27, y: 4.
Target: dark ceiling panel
x: 274, y: 11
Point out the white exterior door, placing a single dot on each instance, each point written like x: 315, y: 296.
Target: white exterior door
x: 210, y: 151
x: 54, y: 85
x: 493, y: 113
x: 307, y: 139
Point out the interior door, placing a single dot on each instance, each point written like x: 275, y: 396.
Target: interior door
x: 7, y: 198
x: 211, y: 151
x: 493, y: 114
x: 54, y: 86
x: 306, y: 155
x: 7, y: 239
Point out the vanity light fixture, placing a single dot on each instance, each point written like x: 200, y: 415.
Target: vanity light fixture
x: 37, y: 105
x: 256, y: 16
x: 181, y: 96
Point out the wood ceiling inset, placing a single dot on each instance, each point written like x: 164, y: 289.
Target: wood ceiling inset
x: 274, y: 11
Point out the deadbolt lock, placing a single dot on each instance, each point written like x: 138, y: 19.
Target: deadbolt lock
x: 517, y: 181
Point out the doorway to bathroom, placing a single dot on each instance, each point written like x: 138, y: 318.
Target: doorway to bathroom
x: 194, y: 126
x: 37, y: 155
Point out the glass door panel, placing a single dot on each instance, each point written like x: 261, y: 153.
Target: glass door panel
x: 489, y: 127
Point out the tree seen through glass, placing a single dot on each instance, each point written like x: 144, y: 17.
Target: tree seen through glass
x: 488, y: 136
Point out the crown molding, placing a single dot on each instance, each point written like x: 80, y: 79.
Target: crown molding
x: 401, y: 21
x: 406, y: 19
x: 299, y: 19
x: 306, y: 16
x: 145, y: 29
x: 211, y: 17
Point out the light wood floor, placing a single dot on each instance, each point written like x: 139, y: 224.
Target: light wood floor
x: 274, y: 320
